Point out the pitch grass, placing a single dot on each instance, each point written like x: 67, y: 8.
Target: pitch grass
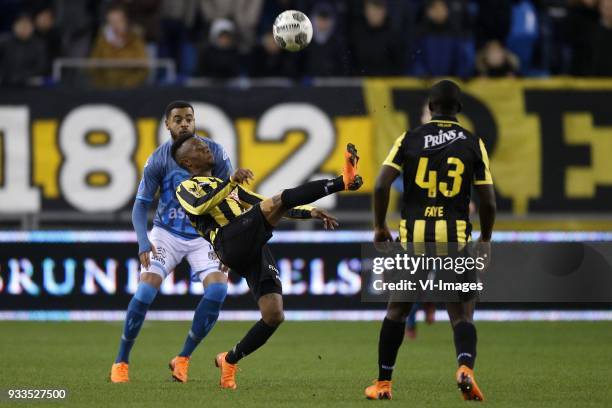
x: 311, y: 364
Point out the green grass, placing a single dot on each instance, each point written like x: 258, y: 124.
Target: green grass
x: 312, y: 364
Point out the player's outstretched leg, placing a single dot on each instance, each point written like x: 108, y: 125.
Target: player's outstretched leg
x: 312, y: 191
x: 389, y: 342
x: 271, y: 307
x: 275, y: 208
x: 464, y: 334
x: 137, y: 309
x: 204, y: 318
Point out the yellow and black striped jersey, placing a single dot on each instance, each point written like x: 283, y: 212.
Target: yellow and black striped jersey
x: 212, y: 203
x: 440, y: 162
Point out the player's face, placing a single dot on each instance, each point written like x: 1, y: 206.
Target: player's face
x: 181, y: 122
x: 199, y: 155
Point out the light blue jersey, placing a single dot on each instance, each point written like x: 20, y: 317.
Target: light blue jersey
x: 161, y: 171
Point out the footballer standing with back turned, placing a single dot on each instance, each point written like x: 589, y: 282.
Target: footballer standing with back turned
x: 440, y: 161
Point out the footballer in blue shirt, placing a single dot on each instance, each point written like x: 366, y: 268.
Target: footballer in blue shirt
x: 172, y: 239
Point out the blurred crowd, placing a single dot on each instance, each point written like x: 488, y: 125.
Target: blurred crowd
x: 233, y: 38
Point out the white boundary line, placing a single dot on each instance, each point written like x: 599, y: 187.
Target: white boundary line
x: 69, y: 237
x: 306, y: 315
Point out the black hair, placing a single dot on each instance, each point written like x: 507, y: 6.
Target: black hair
x: 177, y: 145
x: 177, y: 105
x: 445, y: 97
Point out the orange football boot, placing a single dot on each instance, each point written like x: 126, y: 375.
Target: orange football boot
x: 228, y: 372
x: 380, y: 390
x: 179, y: 367
x: 119, y: 373
x: 352, y: 180
x: 467, y: 384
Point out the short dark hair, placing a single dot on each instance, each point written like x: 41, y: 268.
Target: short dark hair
x: 177, y: 105
x: 177, y: 145
x: 445, y: 97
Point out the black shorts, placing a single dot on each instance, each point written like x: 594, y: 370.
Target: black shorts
x: 242, y: 246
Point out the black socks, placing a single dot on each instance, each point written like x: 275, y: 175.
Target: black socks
x: 311, y: 192
x: 465, y: 343
x: 389, y: 342
x: 254, y: 339
x: 392, y: 334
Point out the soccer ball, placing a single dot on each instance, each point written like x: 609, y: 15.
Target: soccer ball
x: 292, y: 30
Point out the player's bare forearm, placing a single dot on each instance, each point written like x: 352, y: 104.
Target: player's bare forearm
x: 381, y: 195
x: 381, y: 203
x: 488, y: 208
x: 329, y: 221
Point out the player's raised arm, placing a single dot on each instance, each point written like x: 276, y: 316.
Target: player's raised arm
x: 248, y: 198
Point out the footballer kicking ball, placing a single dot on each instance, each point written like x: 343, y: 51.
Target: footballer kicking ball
x: 292, y: 30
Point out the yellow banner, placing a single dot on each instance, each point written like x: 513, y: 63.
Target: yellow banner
x: 524, y: 115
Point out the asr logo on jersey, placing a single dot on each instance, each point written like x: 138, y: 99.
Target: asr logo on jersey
x: 442, y: 138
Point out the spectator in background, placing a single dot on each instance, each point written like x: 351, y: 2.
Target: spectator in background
x: 602, y: 41
x: 117, y: 41
x: 268, y: 60
x: 495, y: 61
x: 46, y: 30
x: 145, y: 18
x: 375, y: 48
x: 220, y: 58
x: 524, y: 34
x: 177, y: 20
x: 440, y: 49
x: 78, y: 20
x: 581, y: 20
x: 244, y: 13
x: 493, y: 21
x: 326, y: 55
x: 22, y: 54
